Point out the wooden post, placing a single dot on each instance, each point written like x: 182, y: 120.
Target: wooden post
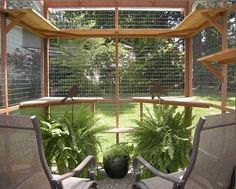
x: 4, y: 61
x: 141, y: 111
x: 188, y: 77
x: 224, y: 67
x: 117, y: 80
x: 46, y: 65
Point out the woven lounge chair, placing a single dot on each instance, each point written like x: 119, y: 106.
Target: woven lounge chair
x: 212, y: 160
x: 22, y: 160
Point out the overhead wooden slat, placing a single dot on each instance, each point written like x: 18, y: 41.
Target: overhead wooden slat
x: 122, y: 3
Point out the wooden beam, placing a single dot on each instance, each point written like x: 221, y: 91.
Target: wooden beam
x: 15, y: 22
x: 227, y: 109
x: 117, y: 71
x: 216, y: 72
x: 122, y: 3
x: 46, y: 67
x: 188, y: 74
x: 213, y: 22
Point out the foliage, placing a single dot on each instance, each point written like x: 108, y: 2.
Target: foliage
x: 69, y: 143
x: 162, y: 138
x: 118, y: 150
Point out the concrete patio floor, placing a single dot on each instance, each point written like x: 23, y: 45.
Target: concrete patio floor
x: 109, y: 183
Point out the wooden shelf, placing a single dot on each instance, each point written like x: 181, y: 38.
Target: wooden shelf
x: 224, y: 57
x: 178, y: 101
x: 196, y: 21
x: 190, y: 26
x: 55, y: 101
x: 30, y: 20
x: 34, y: 22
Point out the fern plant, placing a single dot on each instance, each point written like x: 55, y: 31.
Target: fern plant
x: 163, y: 139
x: 68, y: 143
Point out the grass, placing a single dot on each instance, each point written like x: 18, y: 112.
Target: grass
x: 128, y: 112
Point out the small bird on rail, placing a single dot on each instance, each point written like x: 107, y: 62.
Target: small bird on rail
x: 156, y: 89
x: 72, y: 93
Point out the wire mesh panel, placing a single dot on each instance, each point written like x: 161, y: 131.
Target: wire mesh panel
x: 88, y: 63
x: 232, y: 29
x: 232, y: 84
x: 149, y: 18
x: 24, y: 66
x: 1, y: 73
x: 205, y: 43
x: 145, y: 61
x: 32, y: 4
x: 84, y: 19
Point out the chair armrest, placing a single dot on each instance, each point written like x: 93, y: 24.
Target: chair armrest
x: 88, y: 160
x: 139, y: 160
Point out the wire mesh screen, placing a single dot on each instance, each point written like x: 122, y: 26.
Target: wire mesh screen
x: 149, y: 18
x: 32, y: 4
x: 89, y: 63
x: 145, y: 61
x: 84, y: 19
x: 1, y: 73
x: 232, y: 29
x: 205, y: 43
x: 24, y: 66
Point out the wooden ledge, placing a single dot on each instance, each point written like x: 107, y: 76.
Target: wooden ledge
x: 55, y: 101
x: 178, y: 101
x: 223, y: 57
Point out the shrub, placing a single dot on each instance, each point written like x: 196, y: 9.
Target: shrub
x: 162, y: 138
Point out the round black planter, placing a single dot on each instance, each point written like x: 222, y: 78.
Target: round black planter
x: 116, y: 167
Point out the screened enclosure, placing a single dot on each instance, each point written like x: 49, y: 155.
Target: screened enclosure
x: 114, y: 51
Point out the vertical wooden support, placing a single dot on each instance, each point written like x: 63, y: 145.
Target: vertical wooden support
x: 188, y: 61
x: 93, y: 107
x: 4, y: 61
x: 117, y: 80
x: 141, y: 111
x: 46, y: 66
x: 224, y: 67
x: 188, y: 77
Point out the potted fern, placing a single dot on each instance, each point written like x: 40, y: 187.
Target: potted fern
x: 163, y: 138
x: 116, y: 160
